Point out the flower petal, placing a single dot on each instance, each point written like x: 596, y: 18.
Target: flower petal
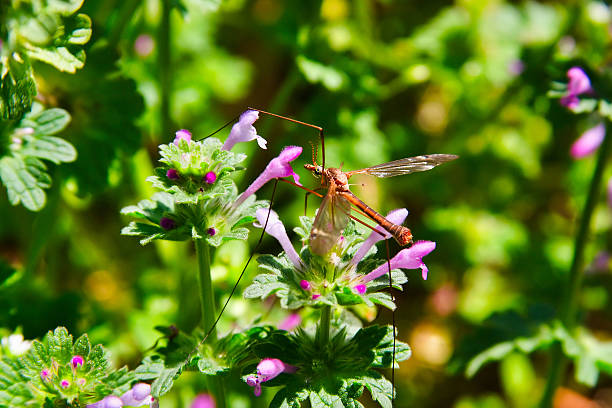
x: 588, y: 142
x: 183, y: 134
x: 276, y: 228
x: 203, y: 401
x: 244, y: 131
x: 409, y: 258
x: 579, y: 81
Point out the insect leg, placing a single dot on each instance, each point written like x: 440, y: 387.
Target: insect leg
x: 263, y: 230
x: 393, y: 321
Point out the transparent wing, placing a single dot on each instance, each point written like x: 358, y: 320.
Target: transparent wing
x: 331, y: 219
x: 405, y: 166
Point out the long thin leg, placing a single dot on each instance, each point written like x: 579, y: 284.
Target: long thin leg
x: 263, y: 230
x: 393, y: 320
x: 319, y: 128
x: 306, y: 199
x: 220, y: 129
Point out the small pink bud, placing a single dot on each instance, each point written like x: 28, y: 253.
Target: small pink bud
x: 143, y: 45
x: 182, y: 134
x: 211, y: 231
x: 167, y: 223
x: 210, y: 177
x: 45, y: 374
x: 315, y: 296
x: 172, y: 174
x: 77, y: 361
x: 65, y: 384
x: 360, y: 289
x: 304, y: 284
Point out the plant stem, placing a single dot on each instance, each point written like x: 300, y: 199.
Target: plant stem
x: 125, y: 15
x: 324, y: 326
x: 569, y: 315
x: 164, y: 64
x: 207, y: 302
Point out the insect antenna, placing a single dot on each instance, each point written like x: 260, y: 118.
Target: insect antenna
x: 319, y: 128
x: 263, y: 230
x: 314, y: 153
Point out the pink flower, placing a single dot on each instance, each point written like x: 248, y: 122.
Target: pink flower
x: 277, y: 168
x: 65, y: 384
x: 143, y: 45
x: 579, y: 83
x: 396, y: 216
x: 210, y: 177
x: 315, y: 296
x: 409, y: 258
x: 167, y: 223
x: 45, y: 374
x: 360, y: 289
x: 291, y: 322
x: 183, y: 134
x: 139, y: 395
x: 211, y: 231
x: 203, y: 401
x: 588, y: 142
x: 267, y: 369
x: 244, y: 131
x: 111, y: 401
x: 276, y: 228
x: 304, y: 284
x: 77, y: 361
x: 172, y: 174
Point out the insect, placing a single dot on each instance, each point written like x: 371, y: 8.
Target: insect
x: 333, y: 214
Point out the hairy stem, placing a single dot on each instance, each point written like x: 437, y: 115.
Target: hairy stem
x: 324, y: 326
x: 569, y: 308
x: 207, y: 302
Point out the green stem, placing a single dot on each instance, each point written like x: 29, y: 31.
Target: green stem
x: 125, y: 15
x: 569, y: 308
x: 164, y: 64
x: 324, y: 326
x: 207, y: 301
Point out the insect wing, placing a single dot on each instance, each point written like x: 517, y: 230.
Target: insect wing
x: 331, y: 219
x: 406, y: 166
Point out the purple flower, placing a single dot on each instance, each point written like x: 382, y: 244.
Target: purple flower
x: 277, y: 168
x: 143, y: 46
x: 267, y: 369
x: 167, y: 223
x: 291, y: 322
x: 139, y: 395
x: 243, y: 131
x: 172, y: 174
x: 396, y: 216
x: 203, y: 401
x: 210, y: 177
x: 110, y: 401
x: 360, y: 289
x: 211, y: 231
x: 65, y: 384
x: 77, y: 361
x: 409, y: 258
x: 304, y: 284
x: 588, y: 142
x: 579, y: 83
x: 182, y: 134
x: 276, y: 228
x: 45, y: 374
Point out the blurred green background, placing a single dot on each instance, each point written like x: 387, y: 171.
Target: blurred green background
x: 386, y: 80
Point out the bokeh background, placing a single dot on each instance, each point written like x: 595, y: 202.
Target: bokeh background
x: 386, y: 79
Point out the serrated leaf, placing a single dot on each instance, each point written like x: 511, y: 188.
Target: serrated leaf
x: 82, y: 346
x: 49, y: 148
x: 60, y: 57
x: 322, y: 399
x: 17, y: 88
x: 164, y: 382
x: 65, y: 7
x: 48, y: 121
x: 22, y: 187
x: 78, y: 29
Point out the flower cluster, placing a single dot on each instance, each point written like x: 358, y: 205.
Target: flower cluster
x: 198, y: 199
x: 350, y: 274
x: 138, y: 396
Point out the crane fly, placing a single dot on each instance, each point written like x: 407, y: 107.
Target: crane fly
x: 334, y: 212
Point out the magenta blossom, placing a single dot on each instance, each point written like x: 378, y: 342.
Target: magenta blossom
x: 396, y: 216
x: 139, y: 395
x: 244, y: 131
x: 360, y: 289
x: 143, y: 45
x: 588, y: 142
x: 203, y: 401
x: 579, y: 83
x: 304, y: 284
x: 182, y: 134
x: 211, y: 231
x: 45, y: 374
x: 167, y: 223
x: 111, y: 401
x: 277, y: 168
x: 276, y: 228
x: 267, y: 369
x: 77, y: 361
x: 172, y: 174
x: 65, y: 384
x: 409, y: 258
x: 210, y: 177
x: 291, y: 322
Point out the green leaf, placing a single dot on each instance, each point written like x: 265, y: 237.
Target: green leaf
x: 316, y: 72
x: 60, y: 57
x: 322, y: 399
x: 17, y: 88
x: 82, y: 346
x: 65, y: 7
x: 50, y: 148
x: 165, y: 381
x: 20, y: 184
x: 48, y: 121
